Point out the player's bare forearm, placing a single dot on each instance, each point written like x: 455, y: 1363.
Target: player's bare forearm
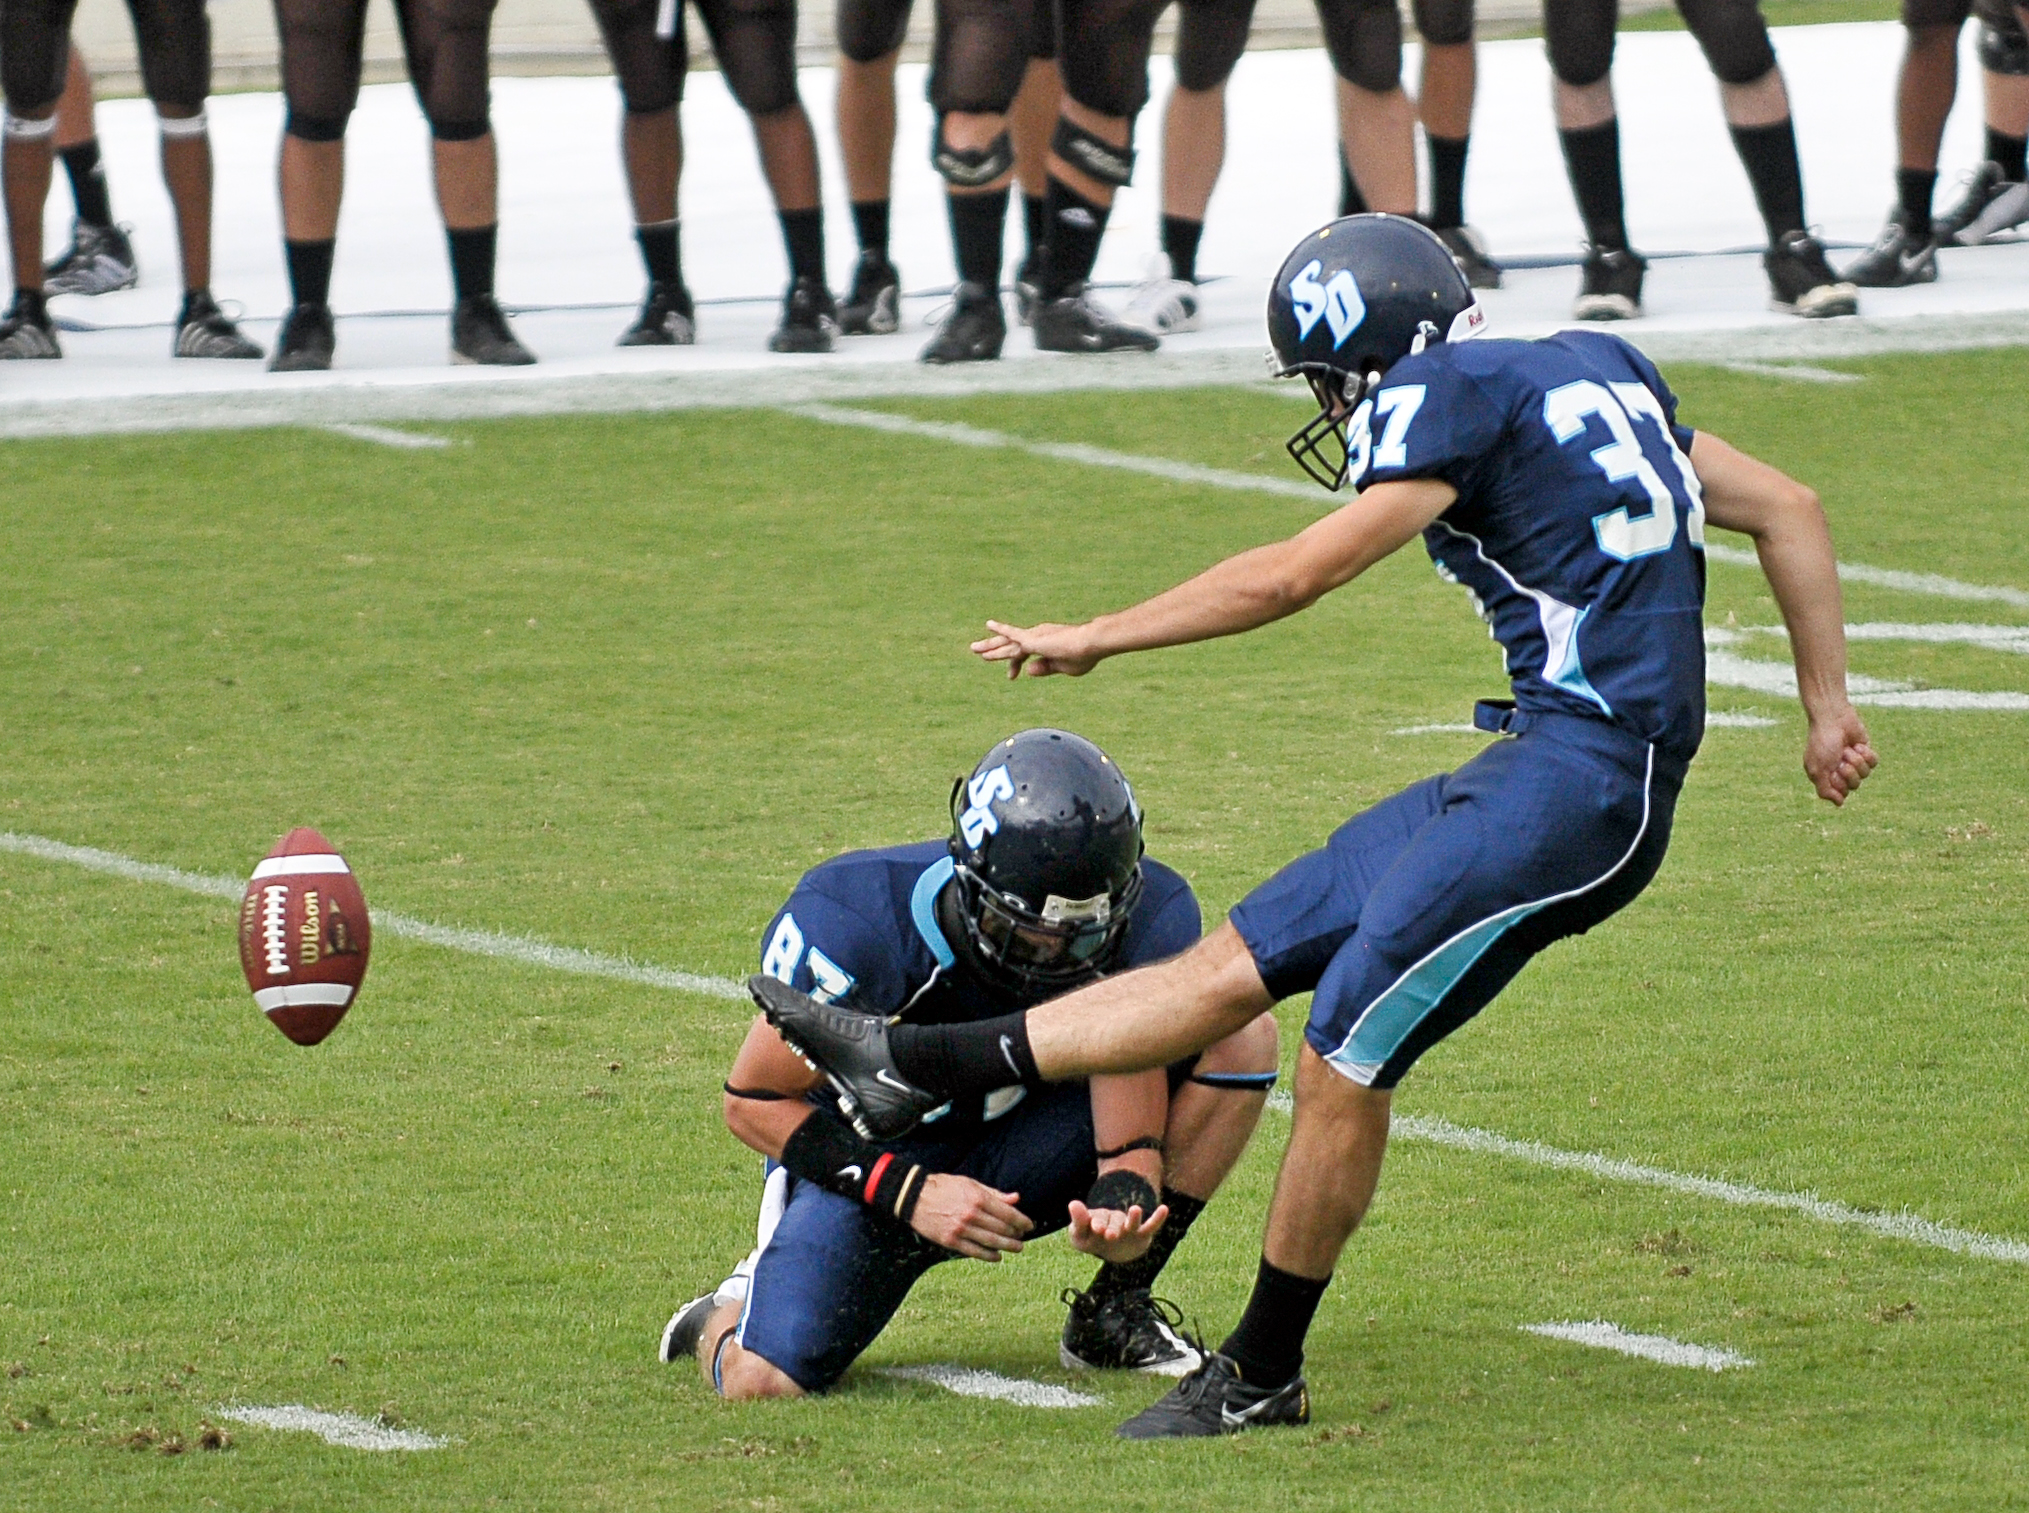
x: 1239, y: 594
x: 1794, y: 544
x: 766, y: 1066
x: 1127, y: 1109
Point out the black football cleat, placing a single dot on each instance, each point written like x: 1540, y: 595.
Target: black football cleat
x: 1130, y: 1331
x: 98, y: 260
x: 480, y: 335
x: 667, y: 319
x: 204, y: 330
x: 306, y: 341
x: 1610, y: 284
x: 1897, y: 259
x: 1801, y: 282
x: 851, y: 1050
x: 973, y: 331
x: 26, y: 331
x: 1076, y: 322
x: 873, y: 306
x: 1213, y: 1400
x: 686, y: 1327
x: 1469, y: 251
x: 809, y: 319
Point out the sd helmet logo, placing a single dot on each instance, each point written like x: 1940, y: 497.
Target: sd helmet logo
x: 1336, y: 301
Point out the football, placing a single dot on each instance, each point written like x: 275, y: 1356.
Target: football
x: 304, y: 936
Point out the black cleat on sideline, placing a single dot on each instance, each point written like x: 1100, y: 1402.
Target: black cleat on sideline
x: 26, y: 331
x: 204, y: 330
x: 1897, y: 259
x: 98, y: 260
x: 667, y: 319
x: 1610, y: 284
x: 1130, y: 1331
x: 873, y: 306
x: 480, y: 334
x: 973, y: 331
x: 1213, y: 1400
x: 686, y: 1327
x: 1076, y: 322
x: 851, y: 1050
x: 306, y: 341
x: 809, y: 319
x: 1801, y: 282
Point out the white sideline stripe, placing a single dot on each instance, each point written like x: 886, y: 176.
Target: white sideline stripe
x: 347, y: 1430
x: 387, y: 436
x: 1650, y: 1347
x: 1410, y: 1126
x: 1728, y: 720
x: 1889, y: 577
x: 1800, y: 372
x: 1779, y: 678
x: 1062, y: 451
x: 1902, y: 1226
x: 2013, y: 638
x: 521, y: 948
x: 1438, y: 730
x: 293, y: 995
x: 969, y: 1382
x: 275, y: 866
x: 1186, y: 472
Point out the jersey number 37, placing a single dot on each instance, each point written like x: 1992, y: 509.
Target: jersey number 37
x: 1618, y: 407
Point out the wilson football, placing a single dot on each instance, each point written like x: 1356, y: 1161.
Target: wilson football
x: 304, y: 936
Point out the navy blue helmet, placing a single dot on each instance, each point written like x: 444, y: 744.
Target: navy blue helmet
x: 1046, y: 846
x: 1352, y: 300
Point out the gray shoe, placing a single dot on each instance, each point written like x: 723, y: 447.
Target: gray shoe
x: 480, y: 334
x: 27, y: 331
x: 98, y: 260
x: 204, y: 330
x: 1076, y: 322
x: 1991, y: 204
x: 667, y: 319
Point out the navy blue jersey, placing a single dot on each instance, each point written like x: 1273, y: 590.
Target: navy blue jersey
x: 1579, y: 526
x: 861, y: 930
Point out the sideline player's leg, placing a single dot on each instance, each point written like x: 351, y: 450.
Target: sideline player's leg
x: 1444, y: 104
x: 976, y: 71
x: 322, y: 43
x: 99, y: 258
x: 34, y: 58
x: 1579, y: 36
x: 1031, y: 121
x: 649, y: 66
x: 1906, y: 252
x: 1377, y: 122
x: 1996, y: 199
x: 446, y: 44
x: 174, y: 41
x: 755, y: 41
x: 870, y: 34
x: 1734, y: 38
x: 1105, y: 65
x: 1117, y: 1322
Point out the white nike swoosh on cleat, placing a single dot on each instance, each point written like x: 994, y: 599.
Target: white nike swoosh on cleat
x: 885, y: 1080
x: 1007, y: 1054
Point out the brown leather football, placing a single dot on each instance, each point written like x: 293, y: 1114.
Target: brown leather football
x: 304, y: 936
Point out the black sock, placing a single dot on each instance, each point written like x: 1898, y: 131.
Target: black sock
x: 978, y: 231
x: 870, y: 225
x: 1351, y: 201
x: 1268, y: 1345
x: 1141, y: 1272
x: 1769, y: 154
x: 30, y: 304
x: 310, y: 271
x: 1592, y: 158
x: 1913, y: 190
x: 956, y: 1059
x: 1076, y: 225
x: 661, y: 252
x: 1180, y: 243
x: 88, y: 183
x: 472, y: 260
x: 1035, y: 225
x: 1447, y: 181
x: 2009, y: 153
x: 803, y: 236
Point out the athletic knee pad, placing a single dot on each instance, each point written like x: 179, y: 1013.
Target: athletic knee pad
x: 970, y: 167
x: 1578, y: 35
x: 1444, y: 23
x: 1364, y: 38
x: 1733, y: 36
x: 870, y: 29
x: 314, y: 128
x: 461, y: 131
x: 1095, y: 156
x: 2003, y: 50
x: 27, y: 128
x: 1211, y: 36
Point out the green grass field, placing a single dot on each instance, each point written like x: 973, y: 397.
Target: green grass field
x: 615, y: 682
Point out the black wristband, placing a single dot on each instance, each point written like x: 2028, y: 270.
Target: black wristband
x: 1143, y: 1143
x: 822, y: 1149
x: 1121, y: 1190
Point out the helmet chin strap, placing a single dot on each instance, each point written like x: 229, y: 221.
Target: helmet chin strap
x: 1426, y: 333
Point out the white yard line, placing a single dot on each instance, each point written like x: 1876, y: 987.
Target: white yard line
x: 968, y: 1382
x: 1650, y: 1347
x: 1933, y: 584
x: 518, y: 948
x: 387, y: 436
x: 348, y: 1430
x: 2014, y: 638
x: 1439, y: 730
x: 1796, y: 372
x: 540, y: 953
x: 1779, y: 678
x: 1726, y: 719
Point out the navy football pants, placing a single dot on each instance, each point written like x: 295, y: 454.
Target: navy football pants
x: 1419, y: 910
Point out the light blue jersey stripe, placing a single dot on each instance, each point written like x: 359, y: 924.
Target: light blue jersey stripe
x: 923, y: 910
